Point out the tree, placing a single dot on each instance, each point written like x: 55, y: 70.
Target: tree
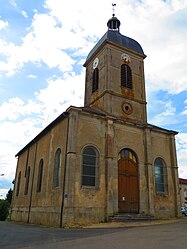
x: 9, y: 196
x: 4, y: 209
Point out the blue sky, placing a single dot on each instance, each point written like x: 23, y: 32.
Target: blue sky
x: 43, y: 45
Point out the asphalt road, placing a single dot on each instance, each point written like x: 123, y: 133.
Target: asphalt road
x: 165, y: 236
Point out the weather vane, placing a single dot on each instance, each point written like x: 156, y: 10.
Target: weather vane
x: 113, y: 9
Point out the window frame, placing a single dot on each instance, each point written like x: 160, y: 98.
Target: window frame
x: 27, y: 180
x: 127, y: 153
x: 160, y: 173
x: 18, y: 184
x: 96, y: 168
x: 95, y: 80
x: 40, y: 176
x: 57, y: 168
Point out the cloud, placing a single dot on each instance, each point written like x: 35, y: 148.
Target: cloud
x: 3, y: 24
x: 39, y: 45
x: 61, y: 37
x: 56, y: 45
x: 3, y: 193
x: 22, y: 120
x: 13, y: 3
x: 163, y: 40
x: 16, y: 108
x: 81, y: 17
x: 181, y: 142
x: 24, y: 13
x: 67, y: 36
x: 185, y: 108
x: 166, y: 115
x: 32, y: 76
x: 62, y: 92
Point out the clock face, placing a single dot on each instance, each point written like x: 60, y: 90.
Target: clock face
x: 126, y: 58
x: 95, y: 63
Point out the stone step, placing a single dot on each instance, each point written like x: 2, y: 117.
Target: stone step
x: 131, y: 217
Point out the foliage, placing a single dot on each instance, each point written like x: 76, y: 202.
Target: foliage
x: 9, y: 196
x: 4, y: 209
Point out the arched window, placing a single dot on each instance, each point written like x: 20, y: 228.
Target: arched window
x: 27, y: 180
x: 128, y: 154
x: 40, y: 173
x: 57, y: 167
x: 126, y: 76
x: 90, y: 167
x: 95, y: 80
x: 160, y: 175
x: 18, y: 184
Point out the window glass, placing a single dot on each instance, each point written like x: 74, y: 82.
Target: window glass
x: 89, y: 159
x: 18, y: 184
x: 128, y: 154
x: 40, y: 173
x: 134, y: 158
x: 89, y: 167
x: 95, y: 80
x: 160, y: 176
x: 89, y: 170
x: 88, y: 181
x: 27, y: 180
x: 57, y: 168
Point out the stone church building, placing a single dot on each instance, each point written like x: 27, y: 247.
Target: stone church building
x: 102, y: 159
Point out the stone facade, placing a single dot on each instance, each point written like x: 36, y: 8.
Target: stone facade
x: 183, y: 191
x: 113, y: 123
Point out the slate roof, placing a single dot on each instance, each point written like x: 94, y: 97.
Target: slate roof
x: 117, y: 38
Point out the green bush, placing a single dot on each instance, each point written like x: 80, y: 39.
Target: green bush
x: 4, y: 209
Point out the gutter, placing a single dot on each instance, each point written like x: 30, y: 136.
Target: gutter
x: 30, y: 202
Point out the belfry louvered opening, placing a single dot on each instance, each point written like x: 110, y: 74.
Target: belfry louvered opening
x: 95, y: 80
x: 126, y: 76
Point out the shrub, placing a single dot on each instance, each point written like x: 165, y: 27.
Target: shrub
x: 4, y: 209
x: 9, y: 196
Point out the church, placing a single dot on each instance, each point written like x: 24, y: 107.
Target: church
x: 103, y: 159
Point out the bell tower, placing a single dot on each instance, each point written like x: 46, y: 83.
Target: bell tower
x: 115, y: 75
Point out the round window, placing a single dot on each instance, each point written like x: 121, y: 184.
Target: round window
x: 127, y: 108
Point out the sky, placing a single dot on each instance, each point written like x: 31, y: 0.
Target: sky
x: 43, y: 45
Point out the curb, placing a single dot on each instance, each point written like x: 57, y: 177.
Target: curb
x: 132, y: 224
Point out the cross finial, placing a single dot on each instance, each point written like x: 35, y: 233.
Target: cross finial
x: 113, y: 9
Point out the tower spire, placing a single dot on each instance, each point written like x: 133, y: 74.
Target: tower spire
x: 113, y: 23
x: 113, y: 9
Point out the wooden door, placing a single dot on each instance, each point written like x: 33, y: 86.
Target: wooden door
x: 128, y: 191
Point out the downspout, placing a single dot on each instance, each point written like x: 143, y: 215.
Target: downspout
x: 30, y: 202
x: 65, y: 167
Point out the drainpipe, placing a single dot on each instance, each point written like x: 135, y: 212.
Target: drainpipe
x: 66, y: 114
x: 30, y: 202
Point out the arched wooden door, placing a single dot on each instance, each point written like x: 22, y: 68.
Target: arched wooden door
x: 128, y: 188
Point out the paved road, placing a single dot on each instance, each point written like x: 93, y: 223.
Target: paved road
x: 165, y: 236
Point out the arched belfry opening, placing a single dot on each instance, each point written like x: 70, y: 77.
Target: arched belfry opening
x: 128, y: 186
